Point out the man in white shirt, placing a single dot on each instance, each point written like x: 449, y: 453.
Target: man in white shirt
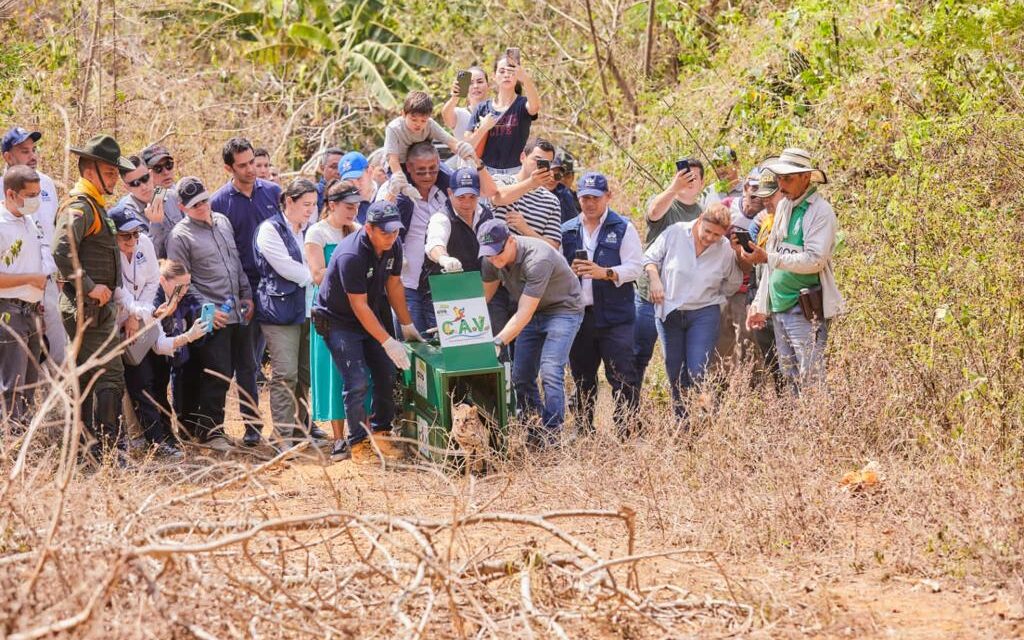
x: 605, y: 252
x: 19, y: 148
x: 25, y: 267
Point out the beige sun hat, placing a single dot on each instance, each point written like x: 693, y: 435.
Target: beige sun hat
x: 794, y: 160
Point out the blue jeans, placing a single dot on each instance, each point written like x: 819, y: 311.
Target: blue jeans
x: 645, y: 336
x: 688, y: 338
x: 353, y: 353
x: 543, y: 348
x: 801, y: 348
x: 421, y: 308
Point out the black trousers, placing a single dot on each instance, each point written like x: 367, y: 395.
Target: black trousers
x: 204, y: 380
x: 147, y: 387
x: 614, y: 347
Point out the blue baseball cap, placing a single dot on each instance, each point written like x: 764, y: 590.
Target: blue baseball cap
x: 352, y: 165
x: 384, y: 215
x: 592, y: 184
x: 492, y: 236
x: 465, y: 180
x: 125, y: 221
x: 16, y: 136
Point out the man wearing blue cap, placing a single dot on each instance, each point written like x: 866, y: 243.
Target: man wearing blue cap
x: 354, y: 166
x: 19, y: 148
x: 365, y: 270
x: 605, y: 252
x: 549, y: 313
x: 451, y: 233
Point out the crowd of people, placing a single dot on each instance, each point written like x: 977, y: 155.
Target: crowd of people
x: 320, y: 282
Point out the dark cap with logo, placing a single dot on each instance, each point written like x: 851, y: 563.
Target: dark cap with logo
x: 125, y: 220
x: 465, y: 180
x: 492, y: 236
x: 191, y: 192
x: 384, y: 215
x: 16, y: 136
x: 154, y: 153
x: 592, y: 184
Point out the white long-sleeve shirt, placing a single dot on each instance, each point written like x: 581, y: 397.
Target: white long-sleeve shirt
x: 631, y: 253
x: 271, y: 245
x: 23, y: 249
x: 140, y: 280
x: 692, y: 282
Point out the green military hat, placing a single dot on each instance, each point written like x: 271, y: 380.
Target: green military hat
x: 104, y: 148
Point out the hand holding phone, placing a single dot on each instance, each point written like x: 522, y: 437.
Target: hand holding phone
x: 543, y: 164
x: 581, y: 254
x: 206, y: 315
x: 682, y: 165
x: 742, y: 237
x: 512, y: 55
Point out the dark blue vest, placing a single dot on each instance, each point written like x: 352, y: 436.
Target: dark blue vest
x: 279, y: 300
x: 612, y: 305
x: 462, y: 244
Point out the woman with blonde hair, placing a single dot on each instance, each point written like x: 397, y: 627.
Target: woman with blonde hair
x: 693, y: 267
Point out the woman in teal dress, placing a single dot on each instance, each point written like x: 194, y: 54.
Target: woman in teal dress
x: 341, y: 204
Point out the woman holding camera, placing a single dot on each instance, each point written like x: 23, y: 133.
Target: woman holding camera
x: 693, y: 267
x: 500, y: 126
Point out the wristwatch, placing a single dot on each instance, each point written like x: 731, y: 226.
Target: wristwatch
x: 610, y: 274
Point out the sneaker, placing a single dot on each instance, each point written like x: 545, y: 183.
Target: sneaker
x: 220, y: 444
x: 341, y: 451
x: 168, y: 450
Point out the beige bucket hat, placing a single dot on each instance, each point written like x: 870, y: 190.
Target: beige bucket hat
x: 794, y: 160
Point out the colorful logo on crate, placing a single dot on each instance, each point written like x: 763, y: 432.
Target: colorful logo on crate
x: 463, y: 322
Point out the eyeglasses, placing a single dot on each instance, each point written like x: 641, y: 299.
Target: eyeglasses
x: 130, y: 235
x: 138, y: 182
x: 432, y: 171
x: 163, y: 167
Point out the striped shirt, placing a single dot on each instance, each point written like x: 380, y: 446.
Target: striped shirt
x: 540, y: 208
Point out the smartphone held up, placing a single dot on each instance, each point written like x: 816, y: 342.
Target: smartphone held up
x: 513, y: 56
x: 463, y: 78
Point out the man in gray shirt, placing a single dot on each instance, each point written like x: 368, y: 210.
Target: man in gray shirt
x: 204, y: 243
x: 545, y: 324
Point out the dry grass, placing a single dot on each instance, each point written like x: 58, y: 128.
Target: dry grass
x: 739, y: 527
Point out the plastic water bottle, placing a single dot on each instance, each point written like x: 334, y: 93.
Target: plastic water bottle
x: 228, y: 305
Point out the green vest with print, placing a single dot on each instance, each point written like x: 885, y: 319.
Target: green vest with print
x: 784, y: 286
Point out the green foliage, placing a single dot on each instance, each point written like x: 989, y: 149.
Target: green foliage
x: 321, y: 45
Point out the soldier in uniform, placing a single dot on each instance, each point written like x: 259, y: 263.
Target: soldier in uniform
x: 87, y: 257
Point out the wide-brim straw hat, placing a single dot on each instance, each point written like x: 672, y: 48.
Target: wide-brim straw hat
x: 794, y: 160
x: 104, y: 148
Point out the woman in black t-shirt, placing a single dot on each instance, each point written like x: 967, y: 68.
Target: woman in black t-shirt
x: 501, y: 125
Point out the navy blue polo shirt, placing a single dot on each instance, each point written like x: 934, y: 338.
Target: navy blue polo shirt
x: 355, y: 268
x: 245, y: 215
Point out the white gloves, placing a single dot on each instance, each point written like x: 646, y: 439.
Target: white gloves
x: 410, y: 334
x: 398, y: 185
x: 198, y: 330
x: 396, y: 352
x: 464, y: 150
x: 449, y: 264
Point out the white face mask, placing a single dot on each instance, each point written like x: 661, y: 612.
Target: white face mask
x: 31, y: 205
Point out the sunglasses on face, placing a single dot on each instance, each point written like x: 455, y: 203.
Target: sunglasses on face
x: 130, y: 235
x: 138, y: 182
x: 163, y: 167
x: 426, y: 172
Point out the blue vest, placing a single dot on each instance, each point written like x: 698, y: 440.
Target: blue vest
x: 279, y: 300
x: 612, y: 305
